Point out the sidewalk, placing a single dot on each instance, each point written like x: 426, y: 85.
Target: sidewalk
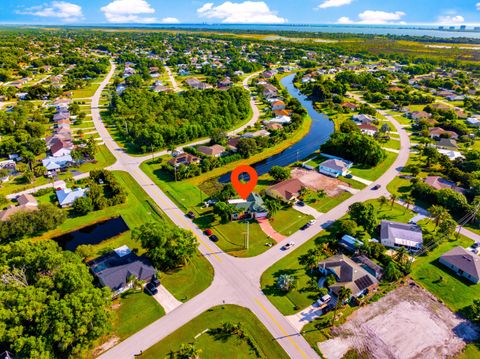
x: 269, y: 231
x: 306, y: 209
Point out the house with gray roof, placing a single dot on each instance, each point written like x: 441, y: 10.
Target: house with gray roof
x: 462, y: 262
x: 334, y: 167
x: 395, y: 235
x: 116, y: 269
x: 66, y: 196
x: 252, y: 207
x: 348, y: 275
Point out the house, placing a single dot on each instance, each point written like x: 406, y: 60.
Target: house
x: 53, y: 164
x: 283, y: 120
x: 214, y: 151
x: 185, y: 159
x: 196, y: 84
x: 226, y: 82
x: 8, y: 165
x: 362, y: 118
x: 278, y: 105
x: 348, y: 275
x: 462, y: 262
x: 287, y: 190
x: 269, y: 91
x: 64, y: 115
x: 334, y: 167
x: 420, y: 115
x: 67, y: 196
x: 26, y: 202
x: 395, y: 234
x: 233, y: 143
x: 116, y: 268
x: 349, y: 105
x: 259, y: 133
x: 61, y: 148
x: 64, y: 124
x: 452, y: 155
x: 273, y: 126
x: 368, y: 129
x: 447, y: 143
x: 436, y: 132
x: 252, y: 207
x: 473, y: 121
x: 350, y: 243
x: 370, y: 266
x: 439, y: 183
x: 280, y: 113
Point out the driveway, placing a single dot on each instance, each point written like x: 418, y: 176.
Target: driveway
x: 166, y: 299
x: 306, y: 209
x: 270, y: 231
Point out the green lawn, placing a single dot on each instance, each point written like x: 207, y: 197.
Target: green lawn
x: 392, y: 143
x: 471, y: 351
x: 288, y: 221
x: 456, y: 292
x: 326, y: 204
x: 136, y: 310
x: 353, y: 183
x: 300, y: 297
x: 372, y: 173
x: 217, y: 345
x: 399, y: 186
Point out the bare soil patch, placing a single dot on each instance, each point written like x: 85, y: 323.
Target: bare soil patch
x: 317, y: 181
x: 407, y: 323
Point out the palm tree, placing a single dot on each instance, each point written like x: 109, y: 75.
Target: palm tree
x: 401, y: 256
x: 439, y: 214
x: 321, y: 194
x: 383, y: 201
x: 273, y: 206
x: 408, y: 201
x: 393, y: 198
x: 285, y: 282
x: 343, y: 295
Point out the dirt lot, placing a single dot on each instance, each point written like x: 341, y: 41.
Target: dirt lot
x: 318, y: 181
x: 407, y: 323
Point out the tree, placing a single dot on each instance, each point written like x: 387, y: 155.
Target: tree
x: 285, y: 282
x: 28, y: 177
x: 167, y: 246
x: 343, y: 294
x: 279, y: 173
x: 385, y: 128
x: 247, y: 147
x: 408, y: 200
x: 218, y: 136
x: 224, y: 210
x: 50, y: 306
x: 392, y: 273
x: 346, y: 226
x: 273, y: 205
x: 186, y: 351
x: 401, y: 256
x: 349, y: 126
x: 39, y: 171
x: 382, y: 200
x: 85, y: 251
x: 447, y: 227
x: 439, y: 213
x: 393, y: 198
x: 364, y: 215
x: 431, y: 154
x: 310, y: 259
x: 82, y: 206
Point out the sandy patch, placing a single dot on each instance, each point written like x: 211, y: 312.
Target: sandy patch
x: 318, y: 181
x: 407, y: 323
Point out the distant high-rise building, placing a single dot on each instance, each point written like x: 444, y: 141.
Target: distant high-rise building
x: 452, y: 27
x: 476, y: 28
x: 463, y: 27
x: 441, y: 27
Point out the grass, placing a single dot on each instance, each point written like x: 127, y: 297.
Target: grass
x: 136, y: 310
x: 326, y: 204
x: 471, y: 351
x: 372, y: 173
x: 220, y: 346
x: 392, y: 143
x: 299, y: 298
x: 453, y: 290
x: 288, y: 221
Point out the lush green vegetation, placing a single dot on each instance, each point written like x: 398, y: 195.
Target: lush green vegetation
x: 219, y: 343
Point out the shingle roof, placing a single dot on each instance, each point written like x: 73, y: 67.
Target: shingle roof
x: 287, y: 189
x: 402, y: 233
x: 464, y: 260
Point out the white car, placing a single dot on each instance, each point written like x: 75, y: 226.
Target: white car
x: 288, y: 245
x: 312, y: 222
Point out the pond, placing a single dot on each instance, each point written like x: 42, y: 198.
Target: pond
x: 94, y: 234
x: 319, y: 133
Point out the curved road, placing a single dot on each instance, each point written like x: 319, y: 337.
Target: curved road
x: 236, y: 280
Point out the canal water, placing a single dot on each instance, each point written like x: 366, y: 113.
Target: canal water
x: 94, y: 234
x: 319, y: 133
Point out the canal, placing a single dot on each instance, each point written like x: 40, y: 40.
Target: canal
x: 319, y: 133
x: 93, y: 234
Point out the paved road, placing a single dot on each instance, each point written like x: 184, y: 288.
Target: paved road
x: 172, y: 79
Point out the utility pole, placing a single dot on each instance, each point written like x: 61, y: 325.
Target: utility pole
x: 247, y: 237
x: 297, y: 156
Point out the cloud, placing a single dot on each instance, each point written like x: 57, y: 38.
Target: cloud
x: 334, y: 3
x: 170, y: 20
x: 63, y: 10
x: 247, y: 12
x: 450, y: 19
x: 375, y: 17
x: 124, y: 11
x: 478, y: 5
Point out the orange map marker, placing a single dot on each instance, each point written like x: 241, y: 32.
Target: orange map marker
x: 244, y: 189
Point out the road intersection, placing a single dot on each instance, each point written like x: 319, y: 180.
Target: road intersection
x: 236, y: 280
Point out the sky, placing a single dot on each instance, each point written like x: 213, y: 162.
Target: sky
x: 58, y: 12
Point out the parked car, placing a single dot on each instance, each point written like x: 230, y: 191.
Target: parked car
x: 208, y: 232
x: 155, y: 281
x: 191, y: 215
x: 312, y: 222
x: 476, y: 245
x: 288, y: 246
x: 349, y: 175
x: 151, y: 289
x: 300, y: 203
x: 304, y: 227
x: 214, y: 238
x: 377, y: 186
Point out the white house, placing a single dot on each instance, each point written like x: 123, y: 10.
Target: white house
x: 395, y: 235
x: 67, y: 196
x: 283, y: 120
